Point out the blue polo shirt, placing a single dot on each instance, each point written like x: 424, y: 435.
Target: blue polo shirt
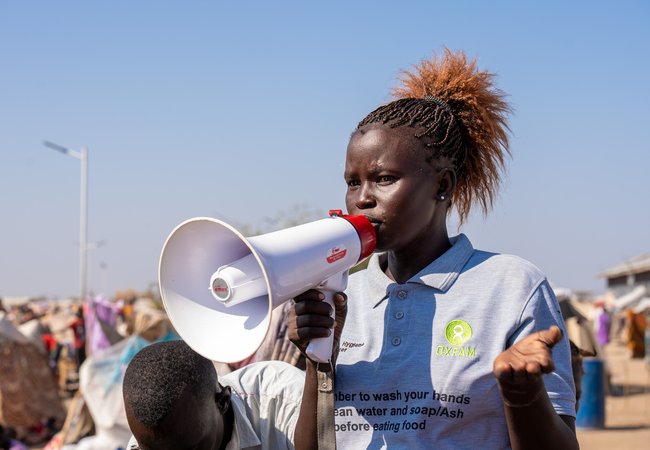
x: 415, y: 362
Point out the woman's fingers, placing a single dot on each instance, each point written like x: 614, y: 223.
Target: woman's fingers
x: 528, y: 359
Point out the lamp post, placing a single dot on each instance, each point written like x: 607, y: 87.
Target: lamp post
x: 89, y: 247
x: 104, y: 267
x: 82, y: 156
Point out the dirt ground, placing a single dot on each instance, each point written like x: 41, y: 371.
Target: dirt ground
x: 627, y: 405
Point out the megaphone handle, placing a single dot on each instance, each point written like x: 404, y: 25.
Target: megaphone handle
x: 320, y: 349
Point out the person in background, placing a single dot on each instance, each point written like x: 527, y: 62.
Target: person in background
x: 78, y: 327
x: 52, y: 348
x: 603, y: 326
x: 635, y: 333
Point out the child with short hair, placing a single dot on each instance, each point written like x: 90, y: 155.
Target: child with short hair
x: 175, y: 400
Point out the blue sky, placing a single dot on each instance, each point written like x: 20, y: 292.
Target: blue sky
x: 242, y: 110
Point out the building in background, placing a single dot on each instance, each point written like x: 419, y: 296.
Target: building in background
x: 630, y: 276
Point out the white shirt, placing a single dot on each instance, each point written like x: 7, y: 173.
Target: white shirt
x: 266, y: 399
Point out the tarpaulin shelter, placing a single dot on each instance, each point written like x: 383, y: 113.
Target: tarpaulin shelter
x: 100, y: 383
x: 28, y: 392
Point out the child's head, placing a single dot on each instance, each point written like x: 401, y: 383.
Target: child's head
x: 173, y: 400
x: 452, y: 120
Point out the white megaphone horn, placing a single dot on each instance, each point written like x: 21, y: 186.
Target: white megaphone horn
x: 219, y: 288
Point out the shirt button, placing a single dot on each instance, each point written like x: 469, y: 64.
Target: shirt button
x: 399, y: 314
x: 396, y: 341
x: 402, y: 294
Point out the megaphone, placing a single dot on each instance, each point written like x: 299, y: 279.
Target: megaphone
x: 219, y: 287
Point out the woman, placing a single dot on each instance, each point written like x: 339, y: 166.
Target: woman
x: 440, y: 345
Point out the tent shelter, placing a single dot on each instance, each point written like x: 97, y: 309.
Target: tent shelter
x: 28, y: 392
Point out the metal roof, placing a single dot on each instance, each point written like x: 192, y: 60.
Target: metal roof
x: 630, y: 267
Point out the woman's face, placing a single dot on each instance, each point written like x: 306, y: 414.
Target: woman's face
x: 390, y: 182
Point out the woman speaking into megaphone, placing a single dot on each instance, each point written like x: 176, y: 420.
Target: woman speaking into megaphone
x: 438, y: 344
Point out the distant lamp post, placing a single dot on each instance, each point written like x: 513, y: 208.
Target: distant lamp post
x: 82, y: 156
x: 89, y: 247
x: 104, y: 267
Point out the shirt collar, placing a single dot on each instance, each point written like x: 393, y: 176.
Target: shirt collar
x: 443, y: 272
x: 243, y: 434
x: 439, y: 274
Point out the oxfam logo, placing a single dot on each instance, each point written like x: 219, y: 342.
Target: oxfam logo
x: 458, y: 332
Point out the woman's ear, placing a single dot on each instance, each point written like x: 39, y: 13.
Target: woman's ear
x: 222, y: 399
x: 446, y: 183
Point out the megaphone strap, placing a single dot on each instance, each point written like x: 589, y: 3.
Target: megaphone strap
x: 325, y: 411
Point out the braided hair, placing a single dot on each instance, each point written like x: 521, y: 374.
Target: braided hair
x: 458, y: 114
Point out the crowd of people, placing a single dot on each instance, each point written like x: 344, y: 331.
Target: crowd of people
x: 44, y: 344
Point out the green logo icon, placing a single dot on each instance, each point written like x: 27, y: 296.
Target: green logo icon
x: 458, y: 332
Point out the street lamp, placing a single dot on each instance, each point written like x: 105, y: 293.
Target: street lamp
x: 104, y: 267
x: 89, y: 247
x: 82, y: 156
